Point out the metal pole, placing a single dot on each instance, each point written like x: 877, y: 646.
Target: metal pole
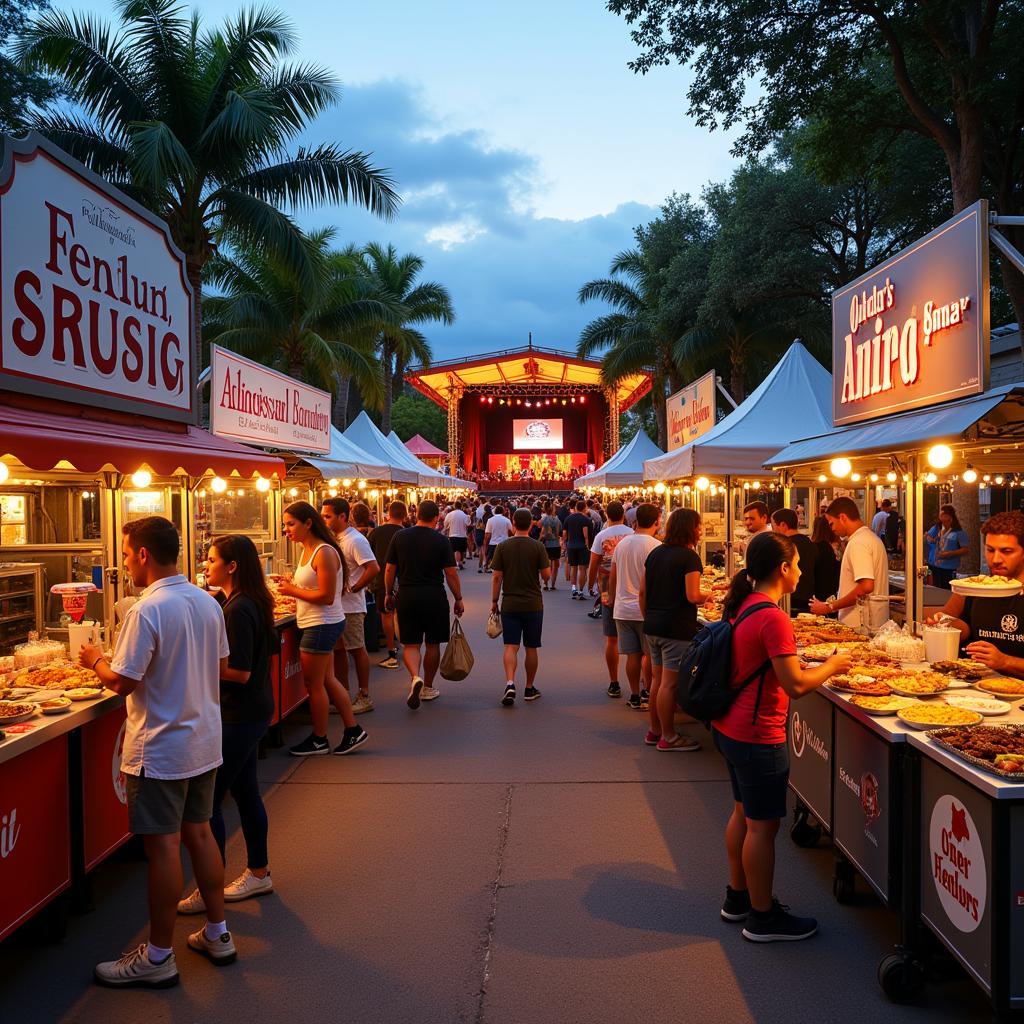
x: 1006, y: 247
x: 729, y: 520
x: 728, y: 397
x: 912, y: 546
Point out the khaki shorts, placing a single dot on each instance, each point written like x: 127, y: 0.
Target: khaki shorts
x: 157, y: 807
x: 354, y: 636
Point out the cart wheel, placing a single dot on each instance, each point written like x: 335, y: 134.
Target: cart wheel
x: 901, y: 976
x: 844, y: 883
x: 803, y: 833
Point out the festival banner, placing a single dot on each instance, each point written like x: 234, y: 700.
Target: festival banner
x: 691, y: 411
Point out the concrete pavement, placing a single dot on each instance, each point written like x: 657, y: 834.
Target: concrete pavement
x: 491, y: 866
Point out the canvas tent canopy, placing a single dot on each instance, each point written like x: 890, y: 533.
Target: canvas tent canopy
x: 625, y: 467
x: 347, y: 459
x: 429, y: 477
x: 420, y: 446
x: 794, y: 400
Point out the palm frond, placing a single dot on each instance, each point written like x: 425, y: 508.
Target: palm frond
x: 300, y: 93
x: 600, y: 333
x: 157, y: 154
x: 614, y: 293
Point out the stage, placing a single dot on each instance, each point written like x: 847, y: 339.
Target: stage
x: 528, y: 411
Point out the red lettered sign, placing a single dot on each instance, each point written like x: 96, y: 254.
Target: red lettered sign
x: 293, y: 689
x: 35, y: 838
x: 95, y: 305
x: 104, y: 794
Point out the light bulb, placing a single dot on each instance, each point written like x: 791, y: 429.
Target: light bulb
x: 855, y: 477
x: 940, y: 456
x: 344, y: 483
x: 840, y: 468
x: 970, y: 475
x: 822, y: 478
x: 4, y: 472
x: 999, y: 479
x: 703, y: 483
x: 141, y: 479
x: 262, y: 484
x: 333, y: 492
x: 746, y: 485
x: 659, y: 488
x: 362, y: 485
x: 873, y: 478
x: 891, y: 476
x: 293, y: 493
x: 930, y: 478
x: 218, y: 485
x: 333, y: 482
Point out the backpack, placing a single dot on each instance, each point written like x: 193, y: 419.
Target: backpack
x: 705, y: 690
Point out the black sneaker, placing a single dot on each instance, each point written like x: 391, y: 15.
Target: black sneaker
x: 413, y: 700
x: 510, y: 696
x: 778, y: 925
x: 634, y: 703
x: 614, y: 690
x: 737, y: 904
x: 352, y: 738
x: 531, y: 693
x: 311, y: 746
x: 645, y: 696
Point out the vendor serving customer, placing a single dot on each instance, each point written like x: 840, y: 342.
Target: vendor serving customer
x: 994, y: 626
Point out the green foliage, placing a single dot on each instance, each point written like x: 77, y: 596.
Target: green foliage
x: 640, y: 417
x: 415, y: 414
x: 21, y: 90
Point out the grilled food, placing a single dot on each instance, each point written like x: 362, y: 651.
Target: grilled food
x: 938, y: 713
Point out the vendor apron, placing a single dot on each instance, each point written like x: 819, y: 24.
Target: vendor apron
x: 998, y: 621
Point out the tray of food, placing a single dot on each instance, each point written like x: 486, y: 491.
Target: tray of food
x: 11, y: 712
x: 978, y: 702
x: 986, y: 586
x: 864, y: 685
x: 918, y: 684
x: 61, y: 676
x: 1001, y: 686
x: 84, y: 692
x: 55, y: 706
x: 998, y: 749
x: 937, y: 713
x: 881, y: 705
x: 963, y: 668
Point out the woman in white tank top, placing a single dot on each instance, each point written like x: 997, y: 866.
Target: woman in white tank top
x: 317, y: 586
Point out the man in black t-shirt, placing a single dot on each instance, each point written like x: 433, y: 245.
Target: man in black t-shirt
x: 993, y: 627
x: 784, y: 521
x: 422, y: 560
x: 380, y: 543
x: 578, y: 530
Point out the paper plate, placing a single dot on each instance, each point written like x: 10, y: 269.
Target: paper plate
x: 984, y: 705
x: 968, y: 589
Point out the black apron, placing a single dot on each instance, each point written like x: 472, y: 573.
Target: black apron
x: 998, y: 621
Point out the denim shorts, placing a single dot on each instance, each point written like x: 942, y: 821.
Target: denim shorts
x: 321, y: 639
x: 631, y: 636
x: 667, y: 652
x: 759, y: 773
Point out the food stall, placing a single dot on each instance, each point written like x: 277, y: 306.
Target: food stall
x: 911, y: 407
x: 97, y: 427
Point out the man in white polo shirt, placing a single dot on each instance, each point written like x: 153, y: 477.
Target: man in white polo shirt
x: 865, y: 567
x: 170, y: 654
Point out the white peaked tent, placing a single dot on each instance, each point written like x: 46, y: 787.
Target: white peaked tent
x: 363, y: 433
x: 794, y: 400
x: 347, y: 459
x: 625, y: 467
x: 436, y: 477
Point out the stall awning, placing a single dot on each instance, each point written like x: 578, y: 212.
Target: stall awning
x: 625, y: 467
x: 347, y: 459
x: 908, y: 432
x: 41, y: 440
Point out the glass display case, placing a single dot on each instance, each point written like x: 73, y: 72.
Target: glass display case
x: 238, y: 507
x: 21, y: 603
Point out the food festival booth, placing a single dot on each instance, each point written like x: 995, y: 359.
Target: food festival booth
x: 905, y: 761
x: 625, y: 469
x: 97, y: 428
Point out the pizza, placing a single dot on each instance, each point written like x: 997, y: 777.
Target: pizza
x: 863, y: 685
x: 963, y: 668
x: 881, y: 705
x: 1002, y: 686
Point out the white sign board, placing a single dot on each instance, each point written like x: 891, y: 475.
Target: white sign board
x: 95, y: 305
x: 251, y: 403
x: 691, y: 412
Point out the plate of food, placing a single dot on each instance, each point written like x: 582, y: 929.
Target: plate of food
x: 1001, y: 686
x: 986, y: 586
x: 84, y: 693
x: 996, y: 748
x: 978, y: 702
x: 55, y: 706
x: 11, y: 712
x: 864, y: 685
x: 918, y: 684
x: 966, y: 669
x: 822, y: 652
x: 937, y: 713
x: 881, y: 705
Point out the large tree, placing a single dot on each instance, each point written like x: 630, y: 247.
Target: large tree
x: 197, y: 123
x: 22, y: 90
x: 946, y: 70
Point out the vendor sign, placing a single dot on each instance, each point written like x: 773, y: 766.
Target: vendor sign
x: 95, y: 305
x: 249, y: 402
x: 914, y: 331
x: 691, y: 412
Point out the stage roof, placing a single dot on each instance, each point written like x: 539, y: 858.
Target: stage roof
x: 540, y: 366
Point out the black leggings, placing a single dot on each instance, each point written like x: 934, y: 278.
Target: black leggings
x: 237, y: 776
x: 941, y: 577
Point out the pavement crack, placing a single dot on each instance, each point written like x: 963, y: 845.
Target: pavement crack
x: 495, y: 888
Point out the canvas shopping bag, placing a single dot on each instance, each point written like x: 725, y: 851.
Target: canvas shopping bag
x: 457, y: 661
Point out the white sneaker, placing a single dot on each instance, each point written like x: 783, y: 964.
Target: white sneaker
x: 429, y: 693
x: 221, y: 951
x: 247, y: 885
x: 362, y: 704
x: 136, y: 970
x: 193, y: 903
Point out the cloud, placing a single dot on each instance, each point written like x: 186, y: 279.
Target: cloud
x: 467, y: 209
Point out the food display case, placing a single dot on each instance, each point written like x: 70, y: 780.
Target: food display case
x: 21, y: 603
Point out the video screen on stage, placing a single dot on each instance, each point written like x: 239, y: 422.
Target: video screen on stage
x: 539, y: 434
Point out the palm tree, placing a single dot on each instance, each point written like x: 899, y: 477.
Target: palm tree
x: 323, y: 335
x: 394, y: 281
x: 635, y: 337
x: 196, y: 124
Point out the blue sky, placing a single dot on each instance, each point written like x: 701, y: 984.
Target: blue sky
x: 525, y: 149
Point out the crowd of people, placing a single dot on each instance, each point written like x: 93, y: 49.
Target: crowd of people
x: 195, y: 668
x: 546, y: 475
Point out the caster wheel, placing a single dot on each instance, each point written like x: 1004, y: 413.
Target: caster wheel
x: 901, y: 977
x: 843, y: 888
x: 804, y: 834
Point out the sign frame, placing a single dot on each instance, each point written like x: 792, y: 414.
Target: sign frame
x: 974, y: 378
x: 18, y: 152
x: 703, y: 388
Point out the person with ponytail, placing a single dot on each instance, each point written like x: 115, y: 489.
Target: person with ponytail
x: 751, y: 735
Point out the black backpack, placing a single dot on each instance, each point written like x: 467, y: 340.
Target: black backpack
x: 705, y: 690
